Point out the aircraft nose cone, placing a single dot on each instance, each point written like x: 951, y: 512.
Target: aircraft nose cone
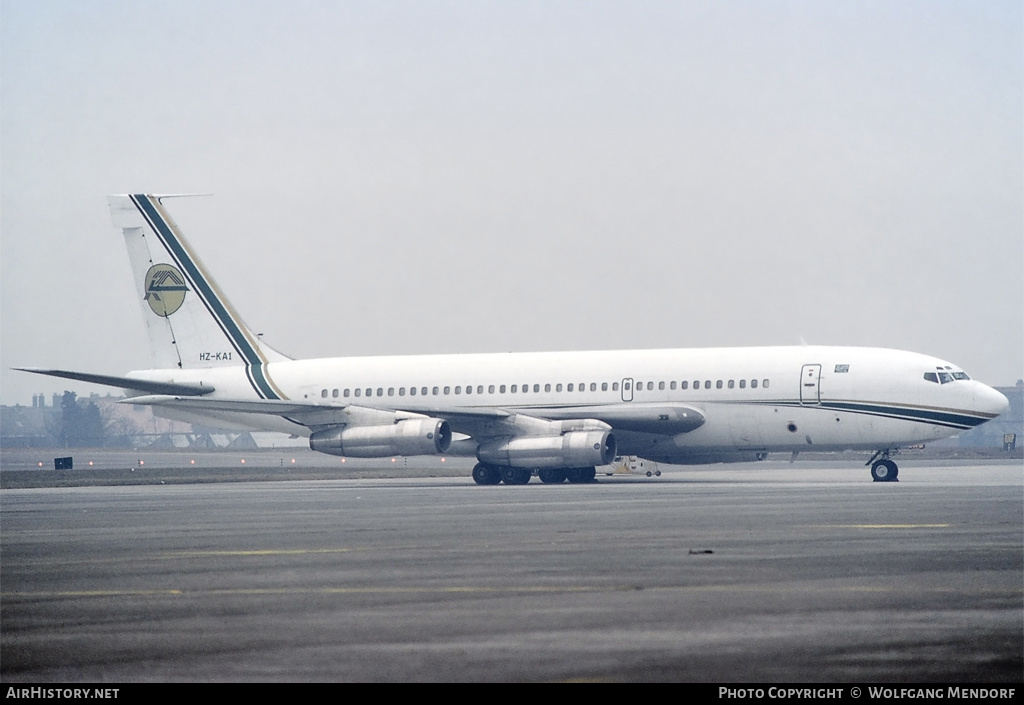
x: 990, y: 401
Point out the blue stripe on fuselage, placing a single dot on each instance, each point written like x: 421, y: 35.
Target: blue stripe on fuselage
x: 949, y: 418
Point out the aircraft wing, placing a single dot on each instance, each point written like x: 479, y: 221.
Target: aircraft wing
x: 662, y: 419
x: 314, y: 415
x: 273, y: 407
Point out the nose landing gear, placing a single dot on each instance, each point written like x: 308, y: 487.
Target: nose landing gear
x: 882, y: 468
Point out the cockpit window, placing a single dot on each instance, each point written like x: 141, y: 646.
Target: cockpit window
x: 944, y: 377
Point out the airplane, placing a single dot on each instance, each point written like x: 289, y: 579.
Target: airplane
x: 556, y: 414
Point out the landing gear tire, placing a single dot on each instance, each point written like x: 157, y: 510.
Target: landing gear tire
x: 484, y: 474
x: 551, y: 476
x: 515, y: 476
x: 885, y: 471
x: 579, y: 476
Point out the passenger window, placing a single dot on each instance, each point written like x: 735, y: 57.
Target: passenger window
x: 323, y: 393
x: 696, y: 384
x: 672, y: 385
x: 547, y: 387
x: 593, y: 386
x: 718, y: 384
x: 501, y: 389
x: 536, y: 388
x: 743, y: 384
x: 764, y: 384
x: 558, y: 387
x: 514, y: 388
x: 650, y: 386
x: 490, y: 389
x: 334, y: 393
x: 345, y: 393
x: 469, y: 389
x: 423, y: 391
x: 625, y: 386
x: 447, y: 390
x: 357, y: 392
x: 753, y: 384
x: 604, y: 386
x: 731, y: 384
x: 684, y: 385
x: 380, y: 391
x: 435, y: 391
x: 615, y: 386
x: 458, y: 390
x: 707, y: 384
x: 412, y: 391
x: 569, y: 387
x: 479, y: 389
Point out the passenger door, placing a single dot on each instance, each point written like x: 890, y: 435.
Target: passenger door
x: 810, y: 384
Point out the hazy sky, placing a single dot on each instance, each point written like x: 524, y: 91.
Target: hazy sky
x: 422, y: 177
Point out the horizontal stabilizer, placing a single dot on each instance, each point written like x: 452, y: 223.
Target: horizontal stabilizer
x: 140, y: 385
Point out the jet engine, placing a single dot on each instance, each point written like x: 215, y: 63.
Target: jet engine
x: 406, y: 437
x: 570, y: 450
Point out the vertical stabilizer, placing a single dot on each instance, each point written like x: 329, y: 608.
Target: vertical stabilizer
x: 189, y: 322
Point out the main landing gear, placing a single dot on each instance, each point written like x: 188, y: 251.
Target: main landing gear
x: 882, y: 468
x: 485, y: 474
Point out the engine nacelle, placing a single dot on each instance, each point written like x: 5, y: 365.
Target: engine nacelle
x: 571, y: 450
x: 406, y: 437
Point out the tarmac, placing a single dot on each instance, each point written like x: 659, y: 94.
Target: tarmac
x: 761, y: 572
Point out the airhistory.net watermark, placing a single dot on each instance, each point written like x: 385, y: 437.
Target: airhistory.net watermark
x: 62, y: 693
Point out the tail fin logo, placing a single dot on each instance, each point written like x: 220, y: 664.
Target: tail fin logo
x: 165, y: 289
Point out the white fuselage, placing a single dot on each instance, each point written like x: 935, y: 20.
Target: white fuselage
x: 752, y: 399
